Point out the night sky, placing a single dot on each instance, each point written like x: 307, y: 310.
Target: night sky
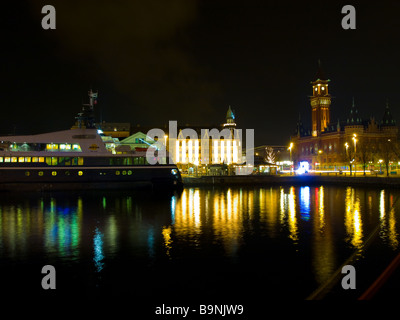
x: 185, y: 60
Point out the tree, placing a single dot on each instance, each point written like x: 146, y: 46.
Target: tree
x: 386, y: 152
x: 270, y: 155
x: 365, y: 150
x: 349, y: 154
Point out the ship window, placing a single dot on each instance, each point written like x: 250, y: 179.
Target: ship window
x: 27, y: 173
x: 13, y: 159
x: 27, y: 159
x: 40, y: 173
x: 129, y: 172
x: 74, y: 161
x: 65, y: 147
x: 124, y: 173
x: 80, y: 173
x: 76, y: 147
x: 1, y: 159
x: 80, y: 161
x: 117, y: 173
x: 21, y: 159
x: 51, y: 146
x: 54, y: 161
x: 54, y: 173
x: 67, y: 161
x: 7, y: 159
x: 67, y: 173
x: 35, y: 159
x: 41, y: 159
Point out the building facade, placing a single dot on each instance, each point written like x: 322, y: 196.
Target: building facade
x: 349, y: 144
x: 208, y: 150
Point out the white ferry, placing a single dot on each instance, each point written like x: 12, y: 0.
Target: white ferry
x: 79, y: 158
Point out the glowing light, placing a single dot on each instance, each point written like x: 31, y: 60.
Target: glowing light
x: 304, y: 167
x: 215, y: 151
x: 177, y: 151
x: 183, y: 151
x: 190, y: 151
x: 235, y: 152
x: 196, y: 152
x: 228, y: 152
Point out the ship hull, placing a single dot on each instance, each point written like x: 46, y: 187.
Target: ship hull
x: 84, y: 178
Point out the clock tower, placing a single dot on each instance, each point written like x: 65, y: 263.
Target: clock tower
x: 320, y: 102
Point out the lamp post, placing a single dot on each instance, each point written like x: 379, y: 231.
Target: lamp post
x: 355, y: 150
x: 290, y: 152
x: 165, y: 141
x: 347, y: 156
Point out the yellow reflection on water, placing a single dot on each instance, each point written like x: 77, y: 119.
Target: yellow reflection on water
x: 166, y: 232
x: 188, y: 212
x: 388, y: 230
x: 352, y: 219
x: 225, y: 218
x: 321, y: 208
x: 292, y: 215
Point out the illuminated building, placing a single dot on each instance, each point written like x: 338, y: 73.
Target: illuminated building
x: 209, y: 149
x: 352, y: 143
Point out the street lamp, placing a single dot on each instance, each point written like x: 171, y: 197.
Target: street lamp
x: 355, y: 150
x: 165, y: 141
x: 290, y: 152
x: 347, y: 153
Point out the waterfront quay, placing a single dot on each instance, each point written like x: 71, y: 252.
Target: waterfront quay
x: 312, y: 179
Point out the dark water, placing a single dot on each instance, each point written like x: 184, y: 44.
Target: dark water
x: 228, y: 245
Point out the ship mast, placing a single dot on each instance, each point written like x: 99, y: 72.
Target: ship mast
x: 85, y: 118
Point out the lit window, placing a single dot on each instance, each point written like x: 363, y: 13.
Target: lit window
x: 27, y: 159
x: 41, y: 159
x: 129, y: 172
x: 13, y: 159
x: 323, y: 88
x: 21, y: 159
x: 117, y: 173
x: 80, y: 173
x: 124, y: 172
x: 1, y: 159
x: 27, y: 173
x: 316, y: 89
x: 7, y: 159
x: 40, y: 173
x: 76, y: 147
x: 54, y: 173
x: 80, y: 161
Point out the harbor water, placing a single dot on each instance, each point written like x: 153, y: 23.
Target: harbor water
x: 225, y: 244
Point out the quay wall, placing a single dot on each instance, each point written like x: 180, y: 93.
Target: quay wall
x: 260, y: 180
